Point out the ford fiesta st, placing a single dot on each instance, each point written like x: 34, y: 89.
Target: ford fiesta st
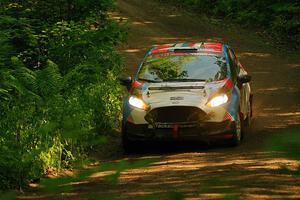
x: 187, y: 91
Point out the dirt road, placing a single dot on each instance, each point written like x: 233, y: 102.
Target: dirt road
x: 246, y: 172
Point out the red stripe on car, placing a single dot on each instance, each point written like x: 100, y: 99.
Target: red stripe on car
x: 228, y: 84
x: 214, y: 46
x: 130, y: 119
x: 136, y: 84
x: 159, y: 51
x: 227, y: 116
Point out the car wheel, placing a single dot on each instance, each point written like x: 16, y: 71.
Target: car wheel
x: 127, y: 144
x: 246, y: 124
x: 237, y: 132
x: 247, y: 121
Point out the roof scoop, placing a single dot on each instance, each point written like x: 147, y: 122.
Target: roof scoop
x: 187, y: 50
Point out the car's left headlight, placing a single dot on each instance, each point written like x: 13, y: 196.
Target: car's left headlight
x: 137, y: 102
x: 218, y: 100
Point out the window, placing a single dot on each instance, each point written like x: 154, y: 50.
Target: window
x: 184, y: 67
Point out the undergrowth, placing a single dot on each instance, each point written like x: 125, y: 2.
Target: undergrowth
x: 58, y: 89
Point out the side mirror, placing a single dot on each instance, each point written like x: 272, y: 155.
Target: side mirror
x: 126, y: 81
x: 244, y: 78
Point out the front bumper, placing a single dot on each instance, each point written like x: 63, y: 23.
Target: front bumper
x: 186, y: 132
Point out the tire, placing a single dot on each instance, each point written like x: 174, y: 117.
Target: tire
x: 237, y: 133
x: 127, y: 144
x: 247, y: 122
x: 246, y: 125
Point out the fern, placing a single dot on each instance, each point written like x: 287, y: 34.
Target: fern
x: 55, y: 89
x: 49, y: 80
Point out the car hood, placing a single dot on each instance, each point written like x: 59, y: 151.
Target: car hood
x: 179, y: 93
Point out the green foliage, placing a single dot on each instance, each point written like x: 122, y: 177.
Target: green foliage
x: 58, y: 88
x: 8, y: 196
x: 280, y: 18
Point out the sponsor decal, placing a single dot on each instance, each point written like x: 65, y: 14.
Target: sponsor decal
x: 170, y: 125
x: 176, y: 98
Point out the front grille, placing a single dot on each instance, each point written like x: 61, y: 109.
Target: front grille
x: 175, y: 114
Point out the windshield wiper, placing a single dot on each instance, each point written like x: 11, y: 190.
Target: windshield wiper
x: 184, y: 80
x: 149, y: 80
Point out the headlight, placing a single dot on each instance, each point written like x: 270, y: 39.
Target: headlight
x: 138, y: 103
x: 218, y: 100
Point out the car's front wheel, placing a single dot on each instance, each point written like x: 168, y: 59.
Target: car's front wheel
x: 249, y: 114
x: 127, y: 144
x: 237, y: 132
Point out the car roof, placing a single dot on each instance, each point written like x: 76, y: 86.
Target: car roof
x: 200, y: 47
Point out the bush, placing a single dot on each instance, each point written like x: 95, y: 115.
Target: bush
x: 58, y: 86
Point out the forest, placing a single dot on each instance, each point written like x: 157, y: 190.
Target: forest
x: 59, y: 66
x: 276, y: 19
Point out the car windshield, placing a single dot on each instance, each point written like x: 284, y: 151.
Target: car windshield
x: 187, y: 67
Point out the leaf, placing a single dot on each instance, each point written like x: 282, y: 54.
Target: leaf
x: 48, y: 127
x: 8, y: 196
x: 114, y: 178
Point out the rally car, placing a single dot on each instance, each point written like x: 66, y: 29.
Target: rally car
x: 187, y: 91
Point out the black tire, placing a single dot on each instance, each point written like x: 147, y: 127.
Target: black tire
x: 246, y: 125
x: 237, y: 133
x: 127, y: 144
x: 251, y: 103
x: 247, y: 122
